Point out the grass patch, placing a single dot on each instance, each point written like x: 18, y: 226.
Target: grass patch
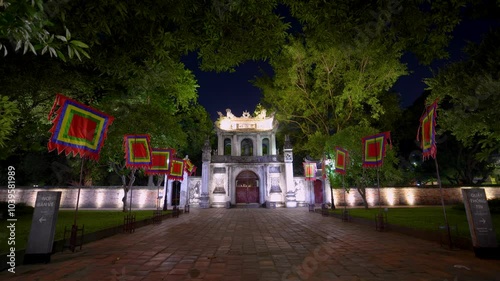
x: 425, y: 218
x: 93, y: 221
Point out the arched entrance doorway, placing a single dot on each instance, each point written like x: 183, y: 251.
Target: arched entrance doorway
x: 176, y: 193
x: 318, y: 192
x: 247, y: 187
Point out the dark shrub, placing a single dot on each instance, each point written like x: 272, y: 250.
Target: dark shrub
x: 21, y: 209
x: 494, y: 205
x: 459, y: 207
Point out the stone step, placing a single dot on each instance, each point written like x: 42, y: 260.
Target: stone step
x: 247, y: 205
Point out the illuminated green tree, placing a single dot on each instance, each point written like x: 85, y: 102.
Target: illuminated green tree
x: 337, y: 69
x: 356, y: 176
x: 467, y: 91
x: 8, y: 116
x: 37, y: 27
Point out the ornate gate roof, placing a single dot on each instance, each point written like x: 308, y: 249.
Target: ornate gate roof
x: 246, y: 123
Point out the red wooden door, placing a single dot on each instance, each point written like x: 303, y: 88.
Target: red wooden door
x: 253, y: 194
x: 247, y: 187
x: 241, y: 194
x: 176, y: 193
x: 318, y: 192
x: 247, y: 194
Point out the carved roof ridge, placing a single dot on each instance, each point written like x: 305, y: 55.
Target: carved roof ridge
x: 260, y: 122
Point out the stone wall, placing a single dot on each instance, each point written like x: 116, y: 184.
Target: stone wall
x: 91, y: 197
x: 145, y: 197
x: 407, y: 196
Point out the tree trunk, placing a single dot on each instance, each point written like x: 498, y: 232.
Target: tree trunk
x: 125, y: 191
x: 362, y: 192
x: 130, y: 184
x: 159, y: 181
x: 124, y: 199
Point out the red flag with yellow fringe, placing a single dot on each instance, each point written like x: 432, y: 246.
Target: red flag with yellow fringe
x: 310, y: 171
x: 177, y: 170
x: 162, y: 160
x: 427, y: 131
x: 340, y: 160
x: 137, y: 151
x: 77, y: 128
x: 190, y: 167
x: 374, y: 148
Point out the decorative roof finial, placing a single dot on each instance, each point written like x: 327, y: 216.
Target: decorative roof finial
x: 288, y: 143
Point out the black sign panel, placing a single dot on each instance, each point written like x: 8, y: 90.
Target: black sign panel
x: 43, y: 224
x: 219, y: 170
x: 479, y: 218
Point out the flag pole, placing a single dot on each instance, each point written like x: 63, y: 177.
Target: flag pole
x: 311, y: 194
x: 431, y: 112
x: 442, y: 203
x: 158, y: 195
x: 79, y: 187
x: 345, y: 214
x: 74, y: 228
x: 331, y: 193
x: 378, y: 177
x: 343, y: 187
x: 165, y: 188
x: 132, y: 177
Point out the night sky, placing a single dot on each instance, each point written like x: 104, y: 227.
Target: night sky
x: 219, y: 91
x: 235, y: 91
x: 412, y: 86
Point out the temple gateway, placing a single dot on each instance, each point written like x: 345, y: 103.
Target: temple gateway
x: 248, y: 169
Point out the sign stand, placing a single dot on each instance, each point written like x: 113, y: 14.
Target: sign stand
x: 480, y: 224
x: 43, y: 227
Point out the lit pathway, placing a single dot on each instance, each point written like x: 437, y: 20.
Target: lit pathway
x: 260, y: 244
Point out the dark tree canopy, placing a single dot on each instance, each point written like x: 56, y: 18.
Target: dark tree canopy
x: 467, y: 92
x: 331, y: 73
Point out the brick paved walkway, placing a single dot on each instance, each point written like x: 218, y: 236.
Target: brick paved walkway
x: 260, y: 244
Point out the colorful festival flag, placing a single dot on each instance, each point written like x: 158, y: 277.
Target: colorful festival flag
x: 177, y: 169
x: 137, y: 151
x: 309, y: 171
x: 162, y: 159
x: 190, y: 167
x: 340, y: 160
x: 78, y: 128
x: 374, y: 148
x: 427, y: 131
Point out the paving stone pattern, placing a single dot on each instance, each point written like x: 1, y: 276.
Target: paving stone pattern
x: 260, y: 244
